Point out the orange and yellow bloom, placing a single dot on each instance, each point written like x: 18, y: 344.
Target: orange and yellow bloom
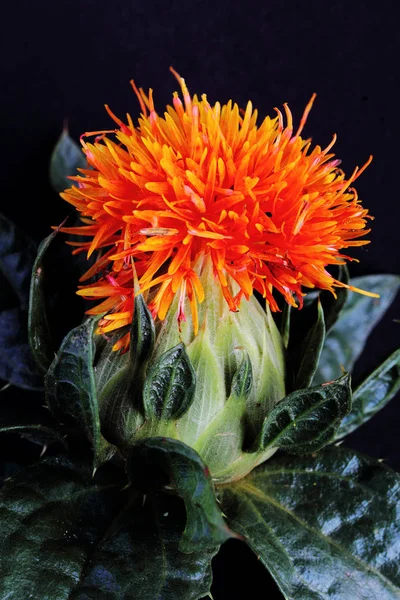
x: 267, y: 209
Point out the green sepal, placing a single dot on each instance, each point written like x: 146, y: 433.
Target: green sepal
x: 68, y: 536
x: 70, y: 386
x: 221, y: 442
x: 67, y: 157
x: 142, y: 334
x: 373, y: 394
x: 307, y: 420
x: 39, y: 332
x: 326, y: 526
x: 310, y: 351
x: 17, y: 255
x: 347, y: 338
x: 154, y: 463
x: 169, y: 385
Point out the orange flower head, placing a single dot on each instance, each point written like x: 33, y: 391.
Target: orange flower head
x: 206, y: 182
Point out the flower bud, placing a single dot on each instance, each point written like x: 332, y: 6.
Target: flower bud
x: 211, y: 390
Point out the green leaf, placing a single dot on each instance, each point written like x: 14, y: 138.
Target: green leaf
x: 333, y: 306
x: 40, y: 338
x: 66, y: 158
x: 307, y: 420
x: 310, y: 351
x: 169, y: 385
x: 347, y: 338
x: 17, y: 255
x: 66, y: 536
x: 142, y: 333
x: 158, y: 462
x: 373, y: 394
x: 70, y: 385
x: 143, y: 561
x: 35, y: 432
x: 326, y: 527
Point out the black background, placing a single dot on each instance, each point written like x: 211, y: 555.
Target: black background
x: 66, y: 59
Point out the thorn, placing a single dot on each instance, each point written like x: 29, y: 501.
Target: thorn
x: 43, y: 450
x: 339, y: 443
x: 5, y: 387
x: 94, y: 471
x: 144, y: 500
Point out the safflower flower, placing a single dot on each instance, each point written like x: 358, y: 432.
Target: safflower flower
x: 207, y: 184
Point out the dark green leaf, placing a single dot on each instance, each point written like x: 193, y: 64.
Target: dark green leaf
x: 347, y: 338
x: 157, y: 462
x: 17, y: 255
x: 310, y: 351
x: 333, y: 306
x: 40, y: 338
x: 326, y: 527
x: 307, y: 420
x: 66, y: 536
x: 66, y: 158
x: 373, y: 394
x: 70, y: 384
x: 169, y: 385
x: 142, y: 333
x: 142, y: 560
x: 36, y: 432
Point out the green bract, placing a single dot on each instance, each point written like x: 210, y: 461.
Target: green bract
x: 212, y: 390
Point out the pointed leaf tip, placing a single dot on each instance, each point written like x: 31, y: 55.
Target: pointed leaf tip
x: 39, y: 333
x: 66, y: 159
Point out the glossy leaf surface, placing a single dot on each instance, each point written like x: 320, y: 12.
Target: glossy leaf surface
x: 66, y: 536
x: 307, y: 420
x: 373, y: 394
x: 326, y: 527
x: 157, y: 462
x: 347, y: 338
x: 70, y: 384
